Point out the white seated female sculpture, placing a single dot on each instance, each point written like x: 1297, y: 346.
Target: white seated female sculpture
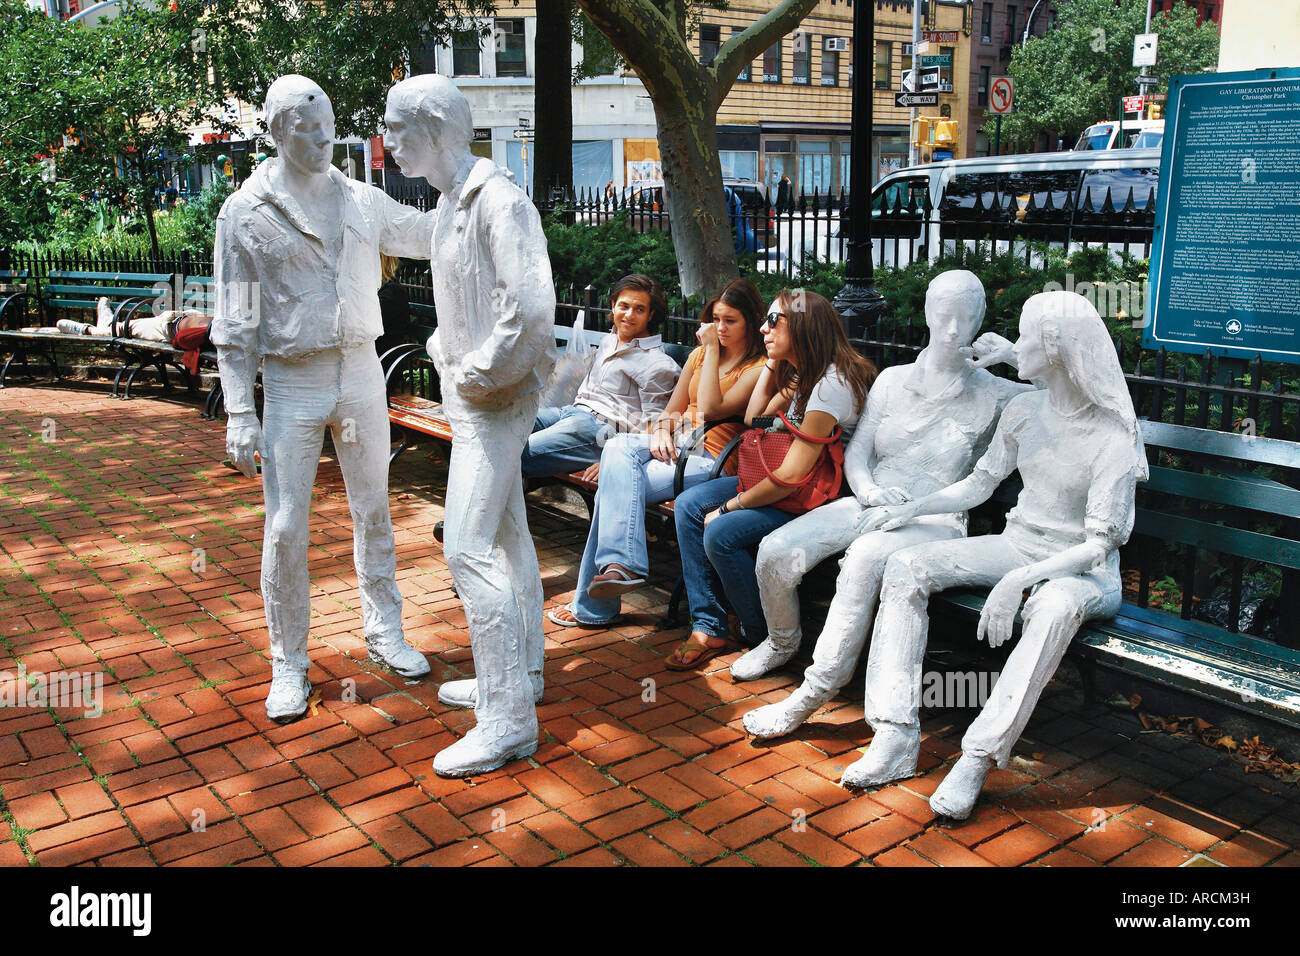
x: 1079, y: 452
x: 925, y: 426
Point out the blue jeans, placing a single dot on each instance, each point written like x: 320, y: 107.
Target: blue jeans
x: 716, y: 560
x: 564, y: 440
x: 630, y: 479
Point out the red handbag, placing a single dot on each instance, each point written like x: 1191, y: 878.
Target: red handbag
x: 824, y: 481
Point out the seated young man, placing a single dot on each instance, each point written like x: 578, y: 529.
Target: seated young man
x: 630, y: 381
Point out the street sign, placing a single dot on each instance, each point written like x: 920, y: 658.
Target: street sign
x: 930, y: 79
x: 1144, y: 80
x: 936, y: 59
x: 1144, y: 49
x: 906, y: 100
x: 1001, y: 94
x: 940, y: 36
x: 1132, y: 104
x: 524, y: 134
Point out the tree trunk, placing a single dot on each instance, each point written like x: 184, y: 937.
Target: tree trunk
x: 146, y: 202
x: 553, y: 99
x: 697, y: 209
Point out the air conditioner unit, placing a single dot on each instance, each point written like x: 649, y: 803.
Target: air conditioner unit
x: 837, y: 45
x: 507, y: 26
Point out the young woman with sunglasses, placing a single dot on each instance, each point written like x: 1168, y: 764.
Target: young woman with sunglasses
x: 815, y: 377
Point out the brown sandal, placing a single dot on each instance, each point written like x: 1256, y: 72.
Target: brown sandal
x: 705, y: 652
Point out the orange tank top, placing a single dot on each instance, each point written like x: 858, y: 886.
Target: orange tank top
x: 717, y: 439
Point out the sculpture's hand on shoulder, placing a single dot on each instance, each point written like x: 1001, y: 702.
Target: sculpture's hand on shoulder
x: 999, y: 615
x: 989, y: 349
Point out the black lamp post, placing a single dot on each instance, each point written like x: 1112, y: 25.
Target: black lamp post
x: 858, y: 303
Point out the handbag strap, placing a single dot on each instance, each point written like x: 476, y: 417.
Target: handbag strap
x: 758, y: 447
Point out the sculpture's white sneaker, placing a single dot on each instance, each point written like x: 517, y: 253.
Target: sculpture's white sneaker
x: 464, y: 693
x: 394, y: 652
x: 287, y: 699
x: 892, y: 755
x: 956, y: 796
x: 482, y: 750
x: 777, y: 720
x: 762, y: 659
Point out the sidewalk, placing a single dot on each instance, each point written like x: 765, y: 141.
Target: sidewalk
x: 128, y: 550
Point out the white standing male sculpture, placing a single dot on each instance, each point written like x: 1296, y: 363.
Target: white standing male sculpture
x: 297, y: 277
x: 1079, y: 452
x: 494, y: 348
x: 925, y: 425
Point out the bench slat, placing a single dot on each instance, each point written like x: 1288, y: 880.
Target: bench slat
x: 1187, y: 438
x: 1218, y: 538
x: 1272, y: 498
x: 151, y: 277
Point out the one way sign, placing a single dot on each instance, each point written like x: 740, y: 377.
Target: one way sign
x: 906, y: 100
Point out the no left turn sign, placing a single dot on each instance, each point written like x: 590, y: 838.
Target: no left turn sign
x: 1001, y: 94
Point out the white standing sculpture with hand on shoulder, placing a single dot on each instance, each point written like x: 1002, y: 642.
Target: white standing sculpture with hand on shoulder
x: 297, y: 290
x: 925, y: 425
x: 1079, y: 451
x: 494, y: 348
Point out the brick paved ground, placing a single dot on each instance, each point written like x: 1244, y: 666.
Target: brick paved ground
x: 99, y: 573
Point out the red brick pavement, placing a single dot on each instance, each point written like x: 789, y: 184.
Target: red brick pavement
x: 129, y: 551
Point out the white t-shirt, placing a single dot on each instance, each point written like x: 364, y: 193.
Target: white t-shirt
x: 833, y: 396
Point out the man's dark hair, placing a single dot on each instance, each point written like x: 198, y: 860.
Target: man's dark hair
x: 651, y: 287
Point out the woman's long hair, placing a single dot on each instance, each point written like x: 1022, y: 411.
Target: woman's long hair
x: 818, y: 341
x: 1074, y: 337
x: 743, y: 296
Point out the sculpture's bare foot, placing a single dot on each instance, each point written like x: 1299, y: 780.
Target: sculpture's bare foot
x: 777, y: 720
x: 892, y: 756
x: 480, y: 750
x: 762, y: 659
x: 956, y: 796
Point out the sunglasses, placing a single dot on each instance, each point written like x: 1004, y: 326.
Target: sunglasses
x: 769, y: 323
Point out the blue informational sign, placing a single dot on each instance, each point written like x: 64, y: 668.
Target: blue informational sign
x: 1225, y: 256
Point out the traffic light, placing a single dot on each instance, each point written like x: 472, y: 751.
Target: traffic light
x: 1154, y: 112
x: 923, y: 134
x: 946, y: 132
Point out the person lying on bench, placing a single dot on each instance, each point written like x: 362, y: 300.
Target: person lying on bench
x: 149, y: 328
x: 627, y: 386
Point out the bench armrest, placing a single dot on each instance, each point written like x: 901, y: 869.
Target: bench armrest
x: 697, y: 436
x: 404, y: 360
x: 4, y: 307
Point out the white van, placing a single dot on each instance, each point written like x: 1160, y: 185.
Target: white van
x: 1137, y: 134
x: 1066, y: 198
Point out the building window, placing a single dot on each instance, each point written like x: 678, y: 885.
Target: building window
x: 743, y: 76
x: 830, y: 62
x: 772, y: 63
x: 509, y: 37
x: 882, y: 64
x: 946, y: 72
x: 1011, y: 24
x: 801, y: 73
x: 983, y: 99
x: 464, y: 53
x: 986, y: 24
x: 710, y: 40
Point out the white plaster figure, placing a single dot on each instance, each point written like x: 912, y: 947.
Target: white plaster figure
x: 925, y: 425
x: 297, y: 280
x: 494, y: 348
x: 1079, y: 452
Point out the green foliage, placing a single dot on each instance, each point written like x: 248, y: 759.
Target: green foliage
x: 92, y: 229
x: 90, y: 110
x: 1075, y: 74
x: 351, y: 49
x: 600, y: 255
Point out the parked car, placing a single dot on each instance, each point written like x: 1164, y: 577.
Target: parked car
x: 645, y: 202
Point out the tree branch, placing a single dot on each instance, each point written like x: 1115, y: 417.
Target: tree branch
x: 643, y: 37
x: 754, y: 39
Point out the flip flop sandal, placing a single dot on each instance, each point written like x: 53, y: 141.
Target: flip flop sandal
x: 613, y: 583
x: 554, y: 615
x: 705, y: 653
